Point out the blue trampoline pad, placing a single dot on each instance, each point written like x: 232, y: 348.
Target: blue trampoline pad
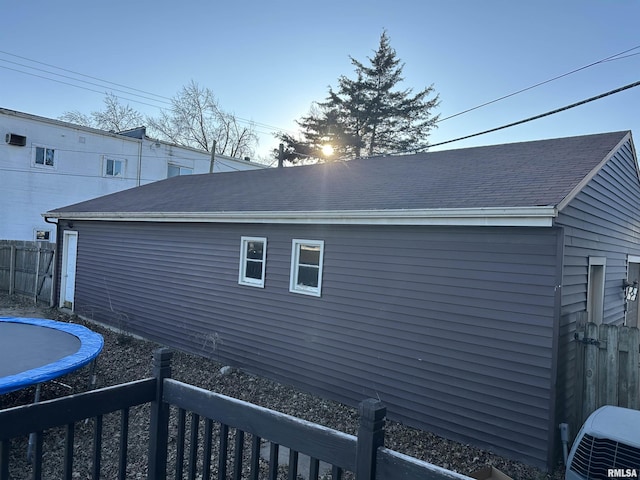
x: 34, y: 350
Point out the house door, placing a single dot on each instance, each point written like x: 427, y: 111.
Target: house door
x: 633, y: 275
x: 68, y: 277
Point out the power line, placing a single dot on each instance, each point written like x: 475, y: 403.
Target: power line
x: 83, y: 81
x: 74, y: 85
x: 83, y: 75
x: 161, y: 98
x: 536, y: 117
x: 166, y: 100
x: 610, y: 58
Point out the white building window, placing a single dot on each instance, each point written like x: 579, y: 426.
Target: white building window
x: 112, y: 167
x: 306, y: 267
x: 42, y: 235
x: 44, y: 156
x: 176, y: 170
x: 253, y: 254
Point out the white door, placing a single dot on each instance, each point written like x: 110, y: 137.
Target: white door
x: 68, y: 278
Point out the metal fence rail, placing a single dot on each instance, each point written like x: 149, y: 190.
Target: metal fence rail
x: 228, y: 446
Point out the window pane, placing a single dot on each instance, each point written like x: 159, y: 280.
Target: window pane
x: 173, y: 171
x: 49, y: 159
x: 254, y: 250
x: 40, y: 155
x: 117, y: 167
x: 109, y: 167
x: 309, y: 255
x: 308, y: 276
x: 254, y: 269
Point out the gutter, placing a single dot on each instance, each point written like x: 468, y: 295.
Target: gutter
x: 509, y: 216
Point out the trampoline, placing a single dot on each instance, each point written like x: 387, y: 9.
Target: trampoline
x: 35, y: 350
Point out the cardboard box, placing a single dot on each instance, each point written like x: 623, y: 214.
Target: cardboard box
x: 490, y: 473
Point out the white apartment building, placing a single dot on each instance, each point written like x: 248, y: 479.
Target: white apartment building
x: 47, y: 163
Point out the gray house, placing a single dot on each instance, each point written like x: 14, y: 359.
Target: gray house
x: 443, y: 283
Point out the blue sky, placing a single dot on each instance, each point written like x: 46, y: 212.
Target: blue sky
x: 268, y: 61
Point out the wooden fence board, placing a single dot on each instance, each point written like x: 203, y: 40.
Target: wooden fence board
x: 26, y: 268
x: 608, y: 368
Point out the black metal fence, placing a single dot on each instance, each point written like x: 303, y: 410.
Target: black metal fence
x: 195, y: 433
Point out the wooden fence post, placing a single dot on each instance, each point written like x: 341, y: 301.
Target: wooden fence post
x: 590, y: 371
x: 370, y: 437
x: 159, y: 425
x: 633, y: 360
x: 37, y: 275
x: 12, y: 269
x: 609, y: 339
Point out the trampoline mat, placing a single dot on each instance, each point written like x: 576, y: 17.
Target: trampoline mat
x: 25, y: 347
x: 35, y: 350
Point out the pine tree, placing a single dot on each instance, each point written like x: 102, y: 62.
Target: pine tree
x: 368, y: 115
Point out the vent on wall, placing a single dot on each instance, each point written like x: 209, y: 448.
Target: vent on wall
x: 13, y: 139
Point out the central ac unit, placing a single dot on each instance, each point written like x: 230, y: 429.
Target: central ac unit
x: 607, y: 446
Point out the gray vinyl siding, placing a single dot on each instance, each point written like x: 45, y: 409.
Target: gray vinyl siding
x: 451, y: 327
x: 601, y: 221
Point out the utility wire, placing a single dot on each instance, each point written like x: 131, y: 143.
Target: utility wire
x: 168, y: 101
x: 160, y: 98
x: 74, y: 85
x: 617, y: 56
x: 83, y: 75
x: 552, y: 112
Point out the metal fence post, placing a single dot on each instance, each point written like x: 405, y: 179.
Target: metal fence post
x: 370, y: 437
x: 159, y: 425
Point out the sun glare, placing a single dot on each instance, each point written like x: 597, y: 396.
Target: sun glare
x: 327, y: 150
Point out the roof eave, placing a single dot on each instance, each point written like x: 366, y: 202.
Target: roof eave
x: 537, y: 216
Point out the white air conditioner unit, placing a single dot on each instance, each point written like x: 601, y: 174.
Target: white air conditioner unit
x: 607, y: 446
x: 14, y: 139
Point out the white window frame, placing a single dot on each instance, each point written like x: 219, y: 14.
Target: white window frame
x: 44, y: 231
x: 180, y: 168
x: 242, y: 275
x: 35, y: 156
x: 294, y: 285
x: 123, y: 169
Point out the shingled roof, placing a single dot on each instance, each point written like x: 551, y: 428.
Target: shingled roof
x: 527, y: 174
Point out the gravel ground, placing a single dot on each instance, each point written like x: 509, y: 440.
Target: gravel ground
x: 125, y: 358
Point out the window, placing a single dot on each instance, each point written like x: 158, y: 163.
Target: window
x: 44, y: 156
x: 42, y: 235
x: 113, y: 167
x: 176, y: 170
x: 253, y: 251
x: 306, y: 267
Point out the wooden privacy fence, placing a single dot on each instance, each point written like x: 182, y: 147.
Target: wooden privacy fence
x: 608, y: 368
x: 26, y: 268
x: 195, y: 433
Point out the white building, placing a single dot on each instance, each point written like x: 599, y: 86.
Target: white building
x: 47, y: 163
